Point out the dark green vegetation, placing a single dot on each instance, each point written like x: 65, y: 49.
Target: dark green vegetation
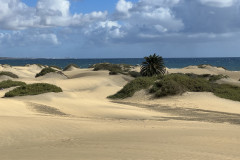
x: 174, y: 84
x: 9, y: 83
x: 45, y: 71
x: 153, y: 65
x: 214, y: 78
x: 154, y: 79
x: 113, y: 68
x: 33, y: 89
x: 10, y: 74
x: 134, y: 74
x: 211, y: 78
x: 227, y: 91
x: 69, y: 66
x: 134, y: 86
x: 54, y: 66
x: 40, y: 65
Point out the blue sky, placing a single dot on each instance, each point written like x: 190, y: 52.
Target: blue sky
x: 119, y: 28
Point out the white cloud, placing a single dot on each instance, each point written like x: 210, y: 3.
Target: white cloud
x: 104, y: 31
x: 124, y: 7
x: 18, y: 38
x: 85, y: 19
x: 218, y: 3
x: 54, y: 7
x: 149, y: 17
x: 162, y: 3
x: 15, y: 15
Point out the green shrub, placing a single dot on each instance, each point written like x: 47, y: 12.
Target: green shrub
x: 9, y: 83
x: 33, y: 89
x: 40, y: 65
x: 227, y: 91
x: 192, y: 75
x: 10, y: 74
x: 167, y: 88
x: 69, y: 66
x: 126, y: 67
x: 113, y: 72
x: 106, y: 66
x: 45, y: 71
x: 211, y: 78
x: 214, y: 78
x: 54, y: 66
x: 133, y: 86
x: 134, y: 74
x: 188, y: 83
x: 173, y: 84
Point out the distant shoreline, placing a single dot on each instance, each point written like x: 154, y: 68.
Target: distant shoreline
x: 232, y: 64
x: 6, y: 58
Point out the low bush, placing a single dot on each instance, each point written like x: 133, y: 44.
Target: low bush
x: 113, y: 72
x: 134, y: 74
x: 227, y: 91
x: 173, y: 84
x: 106, y: 66
x: 45, y: 71
x: 211, y: 78
x: 54, y: 66
x: 10, y: 74
x: 168, y: 88
x: 9, y: 83
x: 33, y: 89
x: 113, y: 68
x: 133, y: 86
x: 214, y: 78
x: 69, y: 66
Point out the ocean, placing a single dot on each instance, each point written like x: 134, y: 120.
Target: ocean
x: 228, y: 63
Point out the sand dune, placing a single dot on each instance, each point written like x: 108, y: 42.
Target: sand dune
x: 81, y: 123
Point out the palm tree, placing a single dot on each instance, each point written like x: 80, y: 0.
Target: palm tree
x: 153, y: 65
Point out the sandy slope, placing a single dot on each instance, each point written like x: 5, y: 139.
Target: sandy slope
x: 81, y: 123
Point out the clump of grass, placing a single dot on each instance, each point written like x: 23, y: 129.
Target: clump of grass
x: 227, y: 91
x: 54, y: 66
x: 214, y: 78
x: 10, y: 74
x: 40, y: 65
x: 33, y: 89
x: 45, y: 71
x: 134, y: 74
x: 113, y: 68
x: 9, y: 83
x: 69, y: 66
x: 134, y: 86
x: 173, y: 84
x: 114, y: 72
x: 211, y: 78
x: 106, y: 66
x: 125, y: 67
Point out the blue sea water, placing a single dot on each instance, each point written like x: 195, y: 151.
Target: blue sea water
x: 229, y: 63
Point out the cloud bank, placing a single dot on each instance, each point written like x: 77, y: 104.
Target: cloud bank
x: 52, y: 23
